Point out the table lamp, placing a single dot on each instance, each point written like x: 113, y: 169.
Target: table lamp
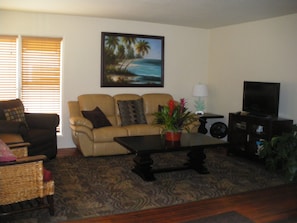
x: 200, y: 91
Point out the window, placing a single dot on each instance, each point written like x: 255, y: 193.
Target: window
x: 8, y: 67
x: 33, y: 74
x: 41, y: 74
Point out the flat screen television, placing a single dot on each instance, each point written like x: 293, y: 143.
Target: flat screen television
x: 261, y: 98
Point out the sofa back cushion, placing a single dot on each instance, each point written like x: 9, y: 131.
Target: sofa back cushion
x: 151, y: 104
x: 109, y: 104
x: 89, y: 102
x: 122, y: 97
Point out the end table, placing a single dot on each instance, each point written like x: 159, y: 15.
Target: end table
x: 203, y: 120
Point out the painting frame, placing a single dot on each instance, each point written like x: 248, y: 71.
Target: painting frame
x: 132, y: 60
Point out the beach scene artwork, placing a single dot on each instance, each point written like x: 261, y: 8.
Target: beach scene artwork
x: 130, y: 60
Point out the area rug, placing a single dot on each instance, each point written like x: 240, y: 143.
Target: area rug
x: 89, y: 187
x: 228, y: 217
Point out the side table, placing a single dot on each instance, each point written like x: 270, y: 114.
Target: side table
x: 203, y: 120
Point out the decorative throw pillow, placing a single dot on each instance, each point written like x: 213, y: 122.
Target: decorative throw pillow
x: 97, y: 117
x: 6, y: 154
x: 15, y: 114
x: 160, y: 108
x: 131, y: 112
x: 47, y: 175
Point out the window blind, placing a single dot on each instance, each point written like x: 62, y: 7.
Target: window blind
x: 41, y: 73
x: 8, y: 67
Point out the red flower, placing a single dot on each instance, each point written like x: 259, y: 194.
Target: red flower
x: 175, y: 116
x: 171, y: 107
x: 182, y: 105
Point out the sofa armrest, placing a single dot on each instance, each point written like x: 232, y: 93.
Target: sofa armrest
x: 42, y: 120
x: 81, y: 121
x: 82, y: 125
x: 13, y: 127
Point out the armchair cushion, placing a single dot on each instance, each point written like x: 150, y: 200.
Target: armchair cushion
x: 131, y: 112
x: 13, y: 127
x: 97, y: 117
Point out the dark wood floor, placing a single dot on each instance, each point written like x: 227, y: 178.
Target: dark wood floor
x: 277, y: 205
x: 68, y: 152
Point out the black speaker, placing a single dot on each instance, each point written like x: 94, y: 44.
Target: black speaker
x: 218, y: 130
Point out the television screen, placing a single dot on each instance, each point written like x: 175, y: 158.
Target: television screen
x: 261, y: 98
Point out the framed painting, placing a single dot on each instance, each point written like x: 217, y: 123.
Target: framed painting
x: 130, y: 60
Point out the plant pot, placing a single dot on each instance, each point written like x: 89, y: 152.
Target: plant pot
x: 173, y: 136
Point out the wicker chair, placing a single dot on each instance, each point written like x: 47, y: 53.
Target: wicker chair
x: 22, y: 187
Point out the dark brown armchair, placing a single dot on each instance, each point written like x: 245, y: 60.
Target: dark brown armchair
x: 39, y: 129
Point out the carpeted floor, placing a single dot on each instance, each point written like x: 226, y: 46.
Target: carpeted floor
x: 88, y: 187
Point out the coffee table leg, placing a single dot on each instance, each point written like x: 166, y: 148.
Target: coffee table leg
x: 196, y: 161
x: 143, y: 167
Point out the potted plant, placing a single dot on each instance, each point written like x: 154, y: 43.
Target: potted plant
x: 280, y: 154
x: 175, y: 117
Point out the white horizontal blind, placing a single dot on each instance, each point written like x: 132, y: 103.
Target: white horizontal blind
x: 8, y: 67
x: 41, y: 72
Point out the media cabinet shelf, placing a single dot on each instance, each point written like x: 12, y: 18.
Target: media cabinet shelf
x: 246, y: 132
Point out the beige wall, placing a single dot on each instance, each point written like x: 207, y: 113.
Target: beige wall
x: 224, y: 57
x: 257, y: 51
x: 186, y: 54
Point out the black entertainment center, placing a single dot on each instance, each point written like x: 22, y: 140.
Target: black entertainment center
x: 246, y: 132
x: 259, y: 119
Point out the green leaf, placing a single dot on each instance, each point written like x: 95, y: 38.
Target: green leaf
x: 280, y: 154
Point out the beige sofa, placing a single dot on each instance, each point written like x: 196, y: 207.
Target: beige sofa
x: 100, y: 141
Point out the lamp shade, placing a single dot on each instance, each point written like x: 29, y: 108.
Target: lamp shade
x: 200, y: 90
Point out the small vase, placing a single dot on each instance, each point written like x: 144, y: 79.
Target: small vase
x: 173, y: 136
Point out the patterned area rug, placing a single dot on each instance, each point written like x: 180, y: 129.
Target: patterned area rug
x: 88, y: 187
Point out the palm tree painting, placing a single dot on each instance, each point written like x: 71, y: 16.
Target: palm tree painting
x: 130, y: 60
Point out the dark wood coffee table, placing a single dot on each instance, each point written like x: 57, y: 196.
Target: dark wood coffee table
x: 144, y: 146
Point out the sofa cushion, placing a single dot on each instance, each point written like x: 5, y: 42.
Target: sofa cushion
x: 88, y: 102
x: 143, y: 129
x: 131, y: 112
x: 9, y: 138
x: 152, y: 101
x: 107, y: 134
x: 97, y: 117
x: 151, y: 104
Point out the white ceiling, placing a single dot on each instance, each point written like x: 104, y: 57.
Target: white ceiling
x: 192, y: 13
